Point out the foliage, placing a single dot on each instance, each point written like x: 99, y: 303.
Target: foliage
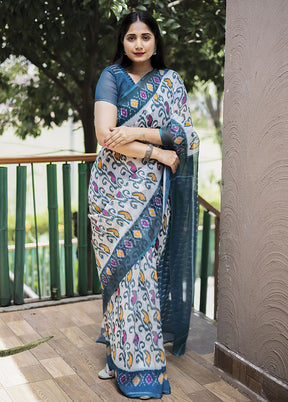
x: 23, y: 348
x: 195, y: 35
x: 213, y: 101
x: 69, y: 43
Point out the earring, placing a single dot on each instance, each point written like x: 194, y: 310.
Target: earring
x: 155, y: 52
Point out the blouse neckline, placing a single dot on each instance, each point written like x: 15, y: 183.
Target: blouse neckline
x: 131, y: 79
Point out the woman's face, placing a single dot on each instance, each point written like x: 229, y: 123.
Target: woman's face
x: 139, y: 42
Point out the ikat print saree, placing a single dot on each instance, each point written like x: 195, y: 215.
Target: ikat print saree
x: 144, y: 224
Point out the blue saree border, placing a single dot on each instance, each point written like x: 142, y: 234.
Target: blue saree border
x: 139, y: 96
x: 134, y: 384
x: 133, y: 247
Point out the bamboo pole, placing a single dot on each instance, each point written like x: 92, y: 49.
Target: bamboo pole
x: 19, y: 261
x: 53, y: 232
x: 36, y: 233
x: 4, y: 262
x: 205, y: 260
x: 69, y: 287
x: 82, y: 230
x: 216, y: 265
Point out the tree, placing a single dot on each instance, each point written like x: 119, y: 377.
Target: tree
x: 199, y: 55
x: 69, y: 43
x: 215, y: 109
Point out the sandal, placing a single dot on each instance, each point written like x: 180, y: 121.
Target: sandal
x: 106, y: 373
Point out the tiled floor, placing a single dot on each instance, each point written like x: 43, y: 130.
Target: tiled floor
x: 66, y: 367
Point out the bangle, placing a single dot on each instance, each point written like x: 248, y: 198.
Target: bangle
x: 148, y: 153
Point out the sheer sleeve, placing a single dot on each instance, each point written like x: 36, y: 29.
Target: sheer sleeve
x: 106, y: 89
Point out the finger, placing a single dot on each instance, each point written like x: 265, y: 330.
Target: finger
x: 109, y: 140
x: 175, y: 167
x: 117, y: 142
x: 114, y: 144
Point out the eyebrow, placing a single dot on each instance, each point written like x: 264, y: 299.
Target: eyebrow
x: 144, y: 33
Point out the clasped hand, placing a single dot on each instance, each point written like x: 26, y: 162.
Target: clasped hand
x: 123, y: 135
x: 118, y: 136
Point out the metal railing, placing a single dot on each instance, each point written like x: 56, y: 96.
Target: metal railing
x: 52, y: 269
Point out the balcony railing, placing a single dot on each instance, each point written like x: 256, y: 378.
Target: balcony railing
x: 66, y: 267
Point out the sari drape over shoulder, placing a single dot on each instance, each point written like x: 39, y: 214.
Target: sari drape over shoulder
x: 144, y: 223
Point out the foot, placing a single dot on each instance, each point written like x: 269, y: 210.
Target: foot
x: 106, y: 373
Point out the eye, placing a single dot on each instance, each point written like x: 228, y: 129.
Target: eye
x: 146, y: 37
x: 130, y: 38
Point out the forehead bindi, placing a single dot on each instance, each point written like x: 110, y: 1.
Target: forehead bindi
x: 139, y: 28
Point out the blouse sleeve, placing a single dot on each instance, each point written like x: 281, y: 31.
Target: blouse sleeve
x: 106, y: 89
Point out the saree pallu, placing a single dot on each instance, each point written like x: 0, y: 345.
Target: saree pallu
x: 140, y: 249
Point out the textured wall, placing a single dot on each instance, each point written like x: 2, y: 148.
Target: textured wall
x: 253, y: 277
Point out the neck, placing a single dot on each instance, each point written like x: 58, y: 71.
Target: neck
x: 140, y: 68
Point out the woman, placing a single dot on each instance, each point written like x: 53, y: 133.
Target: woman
x: 144, y: 126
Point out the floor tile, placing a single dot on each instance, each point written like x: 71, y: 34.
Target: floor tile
x: 57, y: 367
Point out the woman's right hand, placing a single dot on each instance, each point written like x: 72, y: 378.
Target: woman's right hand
x: 167, y: 157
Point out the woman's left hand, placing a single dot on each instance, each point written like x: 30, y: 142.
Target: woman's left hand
x: 119, y: 136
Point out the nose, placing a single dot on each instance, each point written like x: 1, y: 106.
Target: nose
x: 139, y: 43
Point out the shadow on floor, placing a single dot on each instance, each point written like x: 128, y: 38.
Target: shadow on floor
x: 202, y: 334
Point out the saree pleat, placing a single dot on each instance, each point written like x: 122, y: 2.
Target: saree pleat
x: 132, y: 323
x: 144, y: 241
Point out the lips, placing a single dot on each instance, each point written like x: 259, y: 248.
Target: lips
x: 139, y: 54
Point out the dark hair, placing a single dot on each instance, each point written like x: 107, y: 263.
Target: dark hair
x: 157, y: 60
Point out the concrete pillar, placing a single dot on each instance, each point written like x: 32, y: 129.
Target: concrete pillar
x: 252, y: 343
